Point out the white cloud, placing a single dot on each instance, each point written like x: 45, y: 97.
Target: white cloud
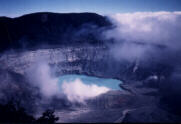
x: 77, y: 91
x: 39, y: 74
x: 150, y: 28
x: 155, y: 27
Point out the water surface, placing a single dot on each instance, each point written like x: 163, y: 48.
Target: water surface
x: 89, y: 80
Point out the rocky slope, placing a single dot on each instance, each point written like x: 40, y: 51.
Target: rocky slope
x: 85, y: 59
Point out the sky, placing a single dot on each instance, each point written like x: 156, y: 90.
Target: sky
x: 14, y: 8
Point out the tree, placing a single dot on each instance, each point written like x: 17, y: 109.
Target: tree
x: 48, y: 117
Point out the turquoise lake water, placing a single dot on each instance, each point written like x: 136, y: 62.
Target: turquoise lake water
x: 106, y: 82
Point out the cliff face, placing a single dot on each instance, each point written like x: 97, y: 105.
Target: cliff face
x: 83, y: 59
x: 94, y: 60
